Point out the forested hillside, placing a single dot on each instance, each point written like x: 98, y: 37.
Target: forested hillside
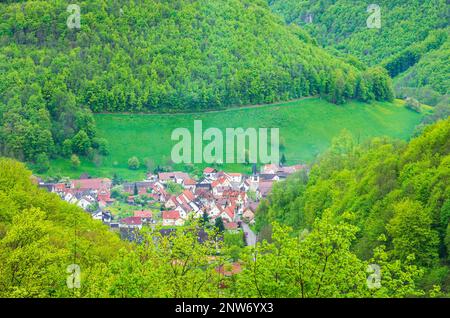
x: 342, y: 24
x: 152, y: 55
x: 41, y: 236
x: 431, y: 74
x: 411, y: 32
x: 396, y: 194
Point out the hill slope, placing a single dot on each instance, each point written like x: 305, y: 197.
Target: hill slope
x: 152, y: 55
x: 41, y: 235
x: 342, y: 24
x: 414, y: 34
x: 431, y: 72
x: 306, y: 130
x: 398, y: 195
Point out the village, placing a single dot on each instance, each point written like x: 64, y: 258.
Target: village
x: 170, y: 199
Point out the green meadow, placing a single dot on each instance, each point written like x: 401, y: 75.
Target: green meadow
x: 306, y: 129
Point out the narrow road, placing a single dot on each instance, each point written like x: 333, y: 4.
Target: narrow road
x: 250, y: 237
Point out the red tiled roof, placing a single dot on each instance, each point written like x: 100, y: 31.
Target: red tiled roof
x: 231, y: 226
x: 59, y: 187
x: 190, y: 182
x: 132, y: 220
x: 188, y: 194
x: 171, y: 215
x: 104, y: 196
x: 142, y: 191
x: 218, y: 182
x: 229, y: 211
x: 231, y: 193
x: 209, y: 170
x: 91, y: 184
x: 170, y: 175
x: 270, y: 167
x: 265, y: 187
x: 143, y: 214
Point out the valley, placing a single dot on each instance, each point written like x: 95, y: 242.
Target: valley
x: 306, y: 129
x: 111, y: 110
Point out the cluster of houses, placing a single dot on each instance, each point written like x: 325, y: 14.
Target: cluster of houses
x: 233, y: 197
x: 85, y: 192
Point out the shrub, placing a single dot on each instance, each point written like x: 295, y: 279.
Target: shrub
x: 413, y: 104
x: 133, y: 163
x: 75, y: 161
x: 42, y: 163
x: 102, y: 145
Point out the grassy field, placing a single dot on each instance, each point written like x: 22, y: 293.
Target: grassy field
x: 306, y: 126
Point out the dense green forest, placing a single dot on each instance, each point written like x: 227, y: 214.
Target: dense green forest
x: 342, y: 24
x: 382, y: 201
x: 397, y: 194
x: 153, y: 56
x: 41, y: 236
x: 430, y: 74
x: 413, y: 33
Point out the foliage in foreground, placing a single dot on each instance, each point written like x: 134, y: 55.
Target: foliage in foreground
x: 40, y: 236
x: 396, y: 194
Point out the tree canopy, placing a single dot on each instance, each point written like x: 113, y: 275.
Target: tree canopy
x: 396, y: 194
x: 153, y: 56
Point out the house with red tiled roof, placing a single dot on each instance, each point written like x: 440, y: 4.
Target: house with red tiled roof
x: 92, y: 184
x: 209, y: 170
x: 249, y: 212
x: 146, y: 216
x: 171, y: 203
x: 234, y: 177
x: 264, y: 187
x: 221, y: 182
x: 227, y: 214
x: 105, y: 196
x: 231, y: 226
x: 162, y: 195
x: 184, y: 209
x: 171, y: 218
x: 60, y: 187
x: 178, y: 177
x: 131, y: 223
x: 210, y: 173
x: 240, y: 197
x: 281, y: 171
x: 220, y: 185
x: 270, y: 168
x: 189, y: 196
x: 181, y: 199
x: 212, y: 209
x: 190, y: 184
